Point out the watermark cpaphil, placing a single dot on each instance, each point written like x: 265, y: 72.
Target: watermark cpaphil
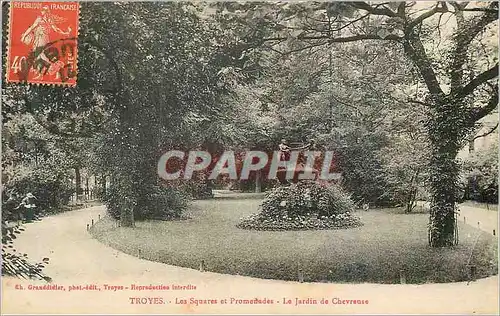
x: 303, y: 165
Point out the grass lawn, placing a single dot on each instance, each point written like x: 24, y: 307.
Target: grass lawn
x: 375, y: 252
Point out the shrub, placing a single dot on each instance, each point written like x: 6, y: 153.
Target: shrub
x: 307, y: 197
x: 196, y: 189
x: 481, y: 173
x: 16, y: 264
x: 304, y: 205
x: 52, y: 190
x: 160, y: 203
x: 363, y: 172
x: 99, y: 192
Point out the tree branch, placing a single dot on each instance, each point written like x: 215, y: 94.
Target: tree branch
x: 401, y: 9
x: 481, y: 10
x: 296, y: 49
x: 339, y: 39
x: 438, y: 8
x: 373, y: 10
x: 487, y: 133
x: 415, y: 49
x: 360, y: 37
x: 419, y: 102
x: 479, y: 80
x: 464, y: 36
x: 457, y: 6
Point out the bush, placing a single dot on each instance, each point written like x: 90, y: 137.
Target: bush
x: 99, y: 192
x: 160, y: 203
x: 362, y: 168
x: 196, y: 189
x: 50, y: 189
x: 16, y: 264
x: 481, y: 174
x: 304, y: 205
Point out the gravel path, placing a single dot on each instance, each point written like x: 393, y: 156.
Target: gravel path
x: 78, y: 259
x: 486, y: 220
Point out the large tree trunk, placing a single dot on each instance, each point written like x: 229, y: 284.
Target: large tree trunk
x: 128, y: 200
x: 444, y: 175
x: 127, y: 217
x: 141, y: 178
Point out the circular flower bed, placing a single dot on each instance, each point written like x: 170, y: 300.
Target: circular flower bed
x: 306, y: 205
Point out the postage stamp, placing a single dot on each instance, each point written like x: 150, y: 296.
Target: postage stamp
x: 250, y: 157
x: 42, y: 43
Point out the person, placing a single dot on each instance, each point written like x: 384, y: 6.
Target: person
x: 285, y: 150
x: 37, y: 35
x: 28, y: 203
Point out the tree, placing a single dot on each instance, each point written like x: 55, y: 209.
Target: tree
x: 481, y: 172
x: 460, y: 86
x: 333, y: 96
x: 406, y: 155
x: 167, y: 89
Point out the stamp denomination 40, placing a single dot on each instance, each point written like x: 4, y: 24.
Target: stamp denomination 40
x: 42, y: 47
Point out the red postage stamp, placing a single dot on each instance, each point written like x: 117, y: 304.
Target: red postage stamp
x: 42, y: 46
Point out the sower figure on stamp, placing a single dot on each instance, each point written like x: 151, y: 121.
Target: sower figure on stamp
x: 37, y: 35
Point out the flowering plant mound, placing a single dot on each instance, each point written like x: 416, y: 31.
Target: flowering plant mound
x: 304, y: 205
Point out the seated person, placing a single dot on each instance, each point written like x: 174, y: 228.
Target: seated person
x: 28, y: 203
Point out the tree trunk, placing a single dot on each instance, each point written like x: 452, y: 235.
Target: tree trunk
x: 409, y: 203
x: 444, y: 175
x: 103, y: 180
x: 127, y: 216
x: 95, y: 188
x: 87, y: 191
x: 78, y: 183
x: 412, y: 196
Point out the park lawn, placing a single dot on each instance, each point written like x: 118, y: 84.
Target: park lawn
x: 374, y: 253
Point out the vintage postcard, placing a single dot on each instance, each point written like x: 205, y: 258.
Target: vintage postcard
x: 42, y: 43
x: 247, y: 157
